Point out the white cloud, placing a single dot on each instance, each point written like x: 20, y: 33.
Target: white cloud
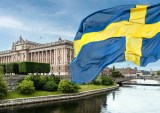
x: 10, y: 22
x: 66, y: 34
x: 43, y: 28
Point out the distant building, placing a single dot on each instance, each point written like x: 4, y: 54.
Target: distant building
x: 125, y: 71
x: 145, y: 72
x: 106, y: 71
x: 59, y: 54
x: 139, y: 73
x: 128, y: 71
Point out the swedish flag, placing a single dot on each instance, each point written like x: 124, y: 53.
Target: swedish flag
x: 122, y: 33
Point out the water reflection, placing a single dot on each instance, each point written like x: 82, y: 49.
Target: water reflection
x: 89, y: 105
x: 134, y: 99
x: 127, y: 99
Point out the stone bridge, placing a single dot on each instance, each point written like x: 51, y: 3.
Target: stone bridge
x: 121, y: 80
x: 124, y: 81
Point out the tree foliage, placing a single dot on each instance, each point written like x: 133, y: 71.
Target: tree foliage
x: 40, y: 80
x: 50, y: 86
x: 158, y: 73
x: 66, y: 86
x: 2, y: 69
x: 107, y: 80
x: 26, y: 87
x: 97, y: 81
x: 34, y: 67
x: 116, y: 74
x: 12, y: 68
x: 3, y: 88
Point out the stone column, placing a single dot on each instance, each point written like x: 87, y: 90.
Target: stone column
x: 9, y: 57
x: 31, y: 57
x: 35, y: 56
x: 54, y: 56
x: 70, y: 55
x: 42, y: 56
x: 62, y: 56
x: 13, y: 58
x: 50, y: 57
x: 5, y: 59
x: 65, y: 56
x: 46, y: 56
x: 38, y: 56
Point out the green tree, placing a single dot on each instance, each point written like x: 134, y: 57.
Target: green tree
x: 50, y: 86
x: 107, y: 80
x: 40, y: 80
x: 97, y: 81
x: 66, y: 86
x: 113, y: 69
x: 117, y: 74
x: 2, y: 69
x: 26, y: 87
x: 3, y: 87
x: 158, y: 73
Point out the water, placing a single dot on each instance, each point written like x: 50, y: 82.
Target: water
x: 127, y: 99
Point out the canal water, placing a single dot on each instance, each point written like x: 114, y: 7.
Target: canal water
x: 127, y: 99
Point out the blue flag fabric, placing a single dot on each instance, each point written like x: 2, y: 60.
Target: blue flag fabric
x: 128, y: 32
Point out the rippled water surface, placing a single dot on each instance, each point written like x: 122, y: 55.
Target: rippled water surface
x: 127, y: 99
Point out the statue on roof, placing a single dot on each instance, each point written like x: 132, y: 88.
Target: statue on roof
x: 21, y: 39
x: 60, y: 39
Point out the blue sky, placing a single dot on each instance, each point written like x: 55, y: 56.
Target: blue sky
x: 51, y: 19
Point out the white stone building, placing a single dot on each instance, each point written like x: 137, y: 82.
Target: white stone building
x: 59, y: 54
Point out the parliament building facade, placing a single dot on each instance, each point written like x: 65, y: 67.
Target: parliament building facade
x: 59, y: 54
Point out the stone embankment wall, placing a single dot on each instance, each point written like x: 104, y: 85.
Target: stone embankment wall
x: 13, y: 80
x: 54, y: 99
